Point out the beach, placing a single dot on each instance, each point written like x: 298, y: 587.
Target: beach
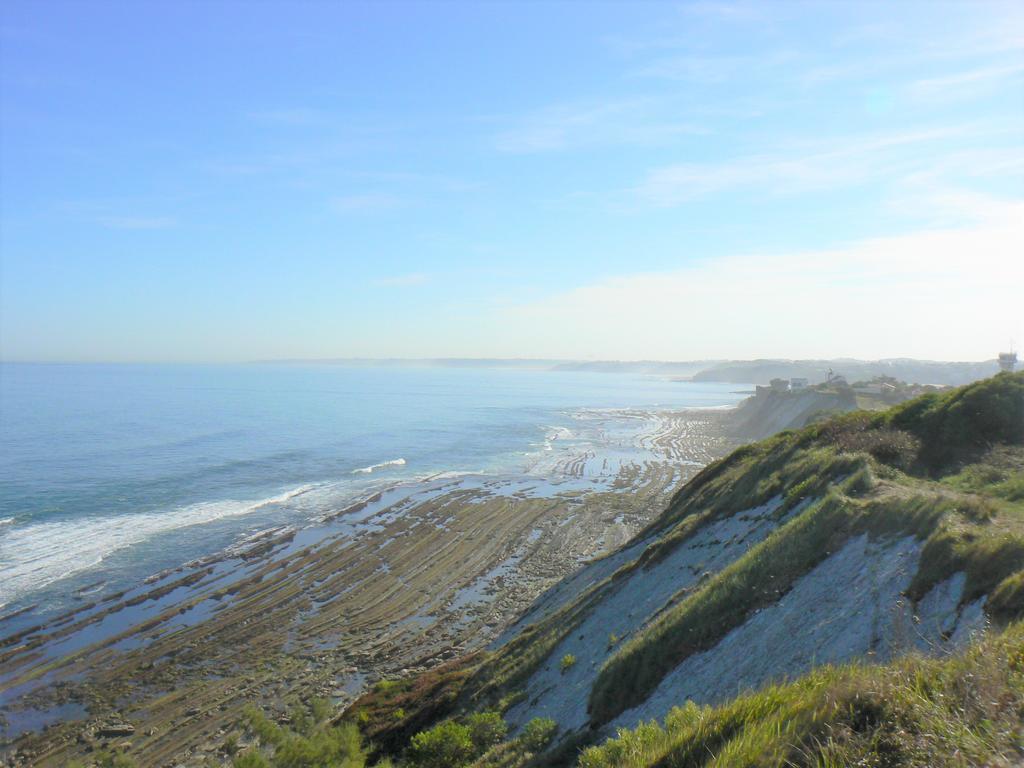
x: 400, y: 581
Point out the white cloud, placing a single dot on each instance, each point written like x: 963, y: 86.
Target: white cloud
x: 940, y: 294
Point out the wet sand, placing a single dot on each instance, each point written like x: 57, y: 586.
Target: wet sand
x: 395, y: 584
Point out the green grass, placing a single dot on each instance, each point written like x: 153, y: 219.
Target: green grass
x: 980, y: 533
x: 306, y: 744
x: 989, y: 548
x: 957, y: 426
x: 881, y: 474
x: 1000, y: 474
x: 722, y: 488
x: 960, y: 711
x: 986, y: 553
x: 420, y: 701
x: 501, y: 674
x: 758, y: 578
x: 1007, y: 600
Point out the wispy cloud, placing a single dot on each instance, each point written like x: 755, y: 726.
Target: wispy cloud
x: 585, y: 125
x: 815, y: 166
x: 965, y: 83
x: 701, y: 69
x: 941, y: 205
x: 402, y: 281
x: 715, y: 69
x: 370, y: 202
x: 115, y: 214
x: 678, y: 33
x: 727, y: 11
x: 992, y: 40
x: 430, y: 182
x: 135, y: 222
x: 928, y: 293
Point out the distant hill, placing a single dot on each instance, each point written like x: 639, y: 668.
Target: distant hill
x: 816, y: 371
x: 425, y: 362
x: 655, y: 367
x: 729, y: 371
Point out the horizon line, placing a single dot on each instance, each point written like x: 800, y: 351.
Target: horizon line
x: 521, y: 360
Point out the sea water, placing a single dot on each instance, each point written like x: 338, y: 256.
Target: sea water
x: 110, y: 473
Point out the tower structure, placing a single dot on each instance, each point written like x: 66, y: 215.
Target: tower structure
x: 1007, y: 361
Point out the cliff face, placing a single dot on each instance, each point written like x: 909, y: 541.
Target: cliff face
x: 854, y: 538
x: 759, y: 417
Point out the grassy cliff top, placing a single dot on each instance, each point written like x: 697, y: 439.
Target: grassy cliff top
x: 947, y: 468
x: 959, y: 711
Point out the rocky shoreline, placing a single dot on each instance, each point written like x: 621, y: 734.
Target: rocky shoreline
x: 395, y: 584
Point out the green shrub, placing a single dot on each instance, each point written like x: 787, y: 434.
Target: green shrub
x: 538, y: 733
x: 955, y: 426
x: 448, y: 745
x: 300, y: 721
x: 860, y: 432
x: 485, y: 730
x: 387, y: 686
x: 1007, y: 599
x: 987, y: 554
x: 322, y: 746
x: 567, y: 662
x: 251, y: 758
x: 321, y: 710
x: 859, y: 483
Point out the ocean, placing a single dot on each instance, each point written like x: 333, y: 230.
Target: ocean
x: 110, y: 473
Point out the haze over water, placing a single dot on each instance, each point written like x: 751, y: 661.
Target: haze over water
x: 109, y: 473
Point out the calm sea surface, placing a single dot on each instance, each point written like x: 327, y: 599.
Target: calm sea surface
x: 109, y: 473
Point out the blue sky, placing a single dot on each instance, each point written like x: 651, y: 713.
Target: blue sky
x: 219, y: 181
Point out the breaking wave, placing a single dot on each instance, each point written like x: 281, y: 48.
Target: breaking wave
x: 37, y: 554
x: 372, y: 467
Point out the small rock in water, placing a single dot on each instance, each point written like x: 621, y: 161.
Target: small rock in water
x: 114, y: 730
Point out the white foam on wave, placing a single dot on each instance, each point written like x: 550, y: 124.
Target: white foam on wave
x: 451, y: 474
x: 372, y: 467
x: 553, y: 434
x: 35, y: 555
x: 559, y: 433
